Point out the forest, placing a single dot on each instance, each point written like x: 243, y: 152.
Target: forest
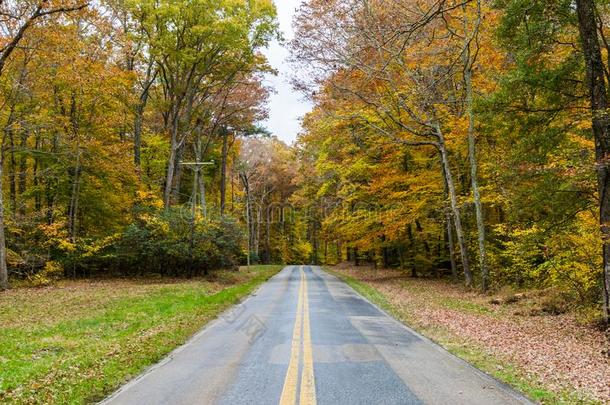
x: 121, y: 129
x: 459, y: 139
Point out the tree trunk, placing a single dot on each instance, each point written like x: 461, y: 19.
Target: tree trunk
x: 315, y: 243
x: 412, y: 250
x: 468, y: 66
x: 3, y: 269
x: 268, y: 238
x: 455, y: 210
x: 247, y: 191
x: 450, y: 244
x: 73, y: 209
x: 223, y: 170
x: 36, y: 174
x: 232, y: 188
x: 22, y: 178
x: 137, y: 133
x: 587, y: 22
x: 339, y: 252
x: 257, y: 232
x: 50, y: 192
x: 139, y: 114
x: 12, y: 173
x: 202, y: 197
x: 178, y: 170
x: 171, y: 162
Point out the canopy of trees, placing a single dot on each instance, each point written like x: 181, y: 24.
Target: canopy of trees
x: 466, y: 136
x: 463, y: 137
x: 109, y: 109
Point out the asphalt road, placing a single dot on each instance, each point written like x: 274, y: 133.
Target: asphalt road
x: 306, y: 337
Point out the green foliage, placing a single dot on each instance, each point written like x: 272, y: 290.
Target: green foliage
x: 166, y: 243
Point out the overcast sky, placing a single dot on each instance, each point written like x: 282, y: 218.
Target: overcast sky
x: 286, y: 107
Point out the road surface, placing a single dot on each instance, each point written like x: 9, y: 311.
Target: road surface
x: 306, y: 337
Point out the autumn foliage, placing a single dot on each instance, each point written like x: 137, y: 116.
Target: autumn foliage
x: 455, y: 138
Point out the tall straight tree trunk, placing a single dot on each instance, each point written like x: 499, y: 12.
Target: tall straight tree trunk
x: 137, y: 133
x: 178, y: 170
x: 468, y: 60
x: 232, y: 188
x: 268, y: 237
x: 36, y: 174
x: 74, y: 197
x: 3, y: 268
x: 257, y: 233
x: 171, y: 161
x: 22, y: 178
x: 587, y: 23
x: 450, y: 244
x: 50, y: 192
x: 139, y: 114
x: 202, y: 197
x: 246, y: 184
x: 455, y: 210
x: 449, y: 229
x: 12, y: 173
x: 223, y: 170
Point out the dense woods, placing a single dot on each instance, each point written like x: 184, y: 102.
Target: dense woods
x: 466, y: 138
x: 458, y: 138
x: 109, y: 111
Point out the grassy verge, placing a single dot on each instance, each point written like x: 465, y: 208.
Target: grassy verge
x: 499, y: 368
x: 78, y: 341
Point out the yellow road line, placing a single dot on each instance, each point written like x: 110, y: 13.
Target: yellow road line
x: 289, y: 393
x: 308, y: 385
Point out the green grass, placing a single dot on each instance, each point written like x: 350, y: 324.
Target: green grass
x: 79, y: 341
x: 464, y: 349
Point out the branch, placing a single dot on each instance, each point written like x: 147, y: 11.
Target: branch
x: 6, y: 52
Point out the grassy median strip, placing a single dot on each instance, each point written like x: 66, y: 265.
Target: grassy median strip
x: 78, y: 341
x: 459, y: 346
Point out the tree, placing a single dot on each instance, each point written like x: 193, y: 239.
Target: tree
x: 589, y: 28
x: 401, y: 75
x: 17, y: 18
x: 198, y: 47
x: 558, y: 65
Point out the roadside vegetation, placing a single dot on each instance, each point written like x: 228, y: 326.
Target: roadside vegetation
x: 77, y: 341
x: 516, y: 337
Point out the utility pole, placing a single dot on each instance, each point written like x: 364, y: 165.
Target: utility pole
x: 196, y: 166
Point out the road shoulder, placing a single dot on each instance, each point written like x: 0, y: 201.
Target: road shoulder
x: 388, y: 292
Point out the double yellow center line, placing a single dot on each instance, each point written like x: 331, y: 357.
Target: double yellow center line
x: 301, y: 338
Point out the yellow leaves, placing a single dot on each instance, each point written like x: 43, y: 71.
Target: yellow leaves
x: 52, y: 271
x: 157, y: 225
x: 149, y: 199
x: 57, y: 236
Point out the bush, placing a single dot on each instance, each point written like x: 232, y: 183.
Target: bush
x: 160, y: 243
x: 169, y: 244
x: 566, y: 259
x: 51, y: 272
